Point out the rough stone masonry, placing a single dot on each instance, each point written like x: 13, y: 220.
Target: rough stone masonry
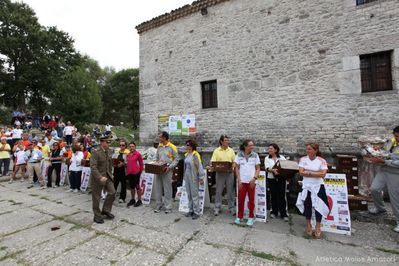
x: 287, y: 71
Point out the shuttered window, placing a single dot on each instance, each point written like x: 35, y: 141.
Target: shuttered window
x: 209, y: 94
x: 376, y: 72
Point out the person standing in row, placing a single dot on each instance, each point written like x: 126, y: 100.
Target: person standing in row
x: 20, y: 162
x: 120, y: 170
x: 102, y: 178
x: 194, y: 175
x: 277, y: 183
x: 34, y: 158
x: 247, y: 167
x: 313, y: 168
x: 55, y: 159
x: 224, y: 154
x: 134, y: 168
x: 5, y: 155
x: 75, y: 169
x: 68, y: 132
x: 166, y: 152
x: 387, y: 177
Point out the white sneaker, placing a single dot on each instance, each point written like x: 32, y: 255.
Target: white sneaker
x: 374, y: 210
x: 70, y: 190
x: 75, y: 190
x: 22, y: 180
x: 10, y: 182
x: 272, y: 216
x: 121, y: 201
x: 396, y: 229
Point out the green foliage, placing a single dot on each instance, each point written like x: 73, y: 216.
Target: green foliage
x: 120, y: 96
x: 33, y: 57
x: 78, y: 97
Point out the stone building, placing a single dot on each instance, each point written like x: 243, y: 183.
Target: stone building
x: 274, y: 70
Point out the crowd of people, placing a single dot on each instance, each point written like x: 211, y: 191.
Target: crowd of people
x: 124, y: 166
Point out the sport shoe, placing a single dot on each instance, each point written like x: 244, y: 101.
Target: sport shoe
x: 75, y: 190
x: 168, y: 211
x: 157, y: 210
x: 138, y: 203
x: 250, y: 222
x: 216, y: 212
x: 121, y: 201
x: 374, y: 210
x: 272, y: 216
x: 131, y: 203
x: 10, y: 182
x: 396, y: 229
x: 195, y: 216
x: 286, y: 219
x: 70, y: 190
x: 237, y: 221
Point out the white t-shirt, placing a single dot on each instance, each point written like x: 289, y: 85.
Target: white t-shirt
x: 315, y: 165
x: 247, y: 167
x: 68, y: 130
x: 20, y: 157
x: 17, y: 133
x: 76, y: 162
x: 108, y: 128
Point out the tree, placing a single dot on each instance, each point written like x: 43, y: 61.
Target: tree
x: 33, y: 57
x: 78, y: 97
x: 120, y: 97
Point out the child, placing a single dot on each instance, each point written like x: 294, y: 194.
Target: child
x: 20, y: 162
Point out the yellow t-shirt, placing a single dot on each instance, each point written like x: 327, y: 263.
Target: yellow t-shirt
x: 223, y: 155
x: 6, y: 153
x: 46, y: 151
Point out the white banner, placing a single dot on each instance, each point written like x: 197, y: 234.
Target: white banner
x: 86, y: 171
x: 146, y: 184
x: 182, y: 192
x: 260, y: 200
x: 339, y: 220
x: 64, y: 173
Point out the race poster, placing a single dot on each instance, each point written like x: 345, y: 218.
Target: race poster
x: 260, y: 199
x: 188, y: 125
x: 85, y: 178
x: 182, y: 192
x: 339, y: 220
x: 146, y: 184
x: 175, y: 125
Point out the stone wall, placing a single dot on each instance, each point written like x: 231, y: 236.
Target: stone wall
x: 287, y: 72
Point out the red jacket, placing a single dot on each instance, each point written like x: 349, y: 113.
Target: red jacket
x: 135, y: 163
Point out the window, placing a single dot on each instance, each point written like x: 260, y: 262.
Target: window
x: 376, y: 72
x: 362, y: 2
x: 209, y: 94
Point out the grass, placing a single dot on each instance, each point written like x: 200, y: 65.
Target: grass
x: 3, y: 248
x: 125, y: 133
x: 169, y: 259
x: 266, y: 256
x: 392, y: 251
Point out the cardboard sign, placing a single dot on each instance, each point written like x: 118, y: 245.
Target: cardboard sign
x: 146, y: 184
x: 260, y: 199
x: 183, y: 205
x: 86, y: 171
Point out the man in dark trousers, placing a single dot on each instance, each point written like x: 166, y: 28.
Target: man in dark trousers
x: 102, y: 178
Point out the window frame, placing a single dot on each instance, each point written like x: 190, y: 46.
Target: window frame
x: 371, y: 75
x: 210, y: 97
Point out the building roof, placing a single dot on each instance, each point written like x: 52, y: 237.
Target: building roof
x: 176, y: 14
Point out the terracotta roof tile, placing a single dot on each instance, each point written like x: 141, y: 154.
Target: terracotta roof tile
x: 176, y: 14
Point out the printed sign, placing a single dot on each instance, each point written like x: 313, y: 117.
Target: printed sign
x: 175, y: 125
x: 146, y: 184
x: 86, y: 171
x: 188, y: 125
x: 260, y: 199
x: 163, y: 123
x: 182, y: 192
x: 339, y: 220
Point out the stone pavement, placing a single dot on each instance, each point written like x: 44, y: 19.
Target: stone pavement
x: 53, y: 227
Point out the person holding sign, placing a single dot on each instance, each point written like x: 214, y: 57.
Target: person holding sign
x: 387, y: 177
x: 247, y: 167
x: 193, y: 175
x: 102, y: 178
x: 277, y: 183
x: 313, y: 168
x: 224, y: 154
x: 134, y: 168
x: 166, y: 152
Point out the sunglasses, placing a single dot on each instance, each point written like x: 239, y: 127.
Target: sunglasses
x: 122, y: 145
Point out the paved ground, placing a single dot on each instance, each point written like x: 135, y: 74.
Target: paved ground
x: 139, y: 237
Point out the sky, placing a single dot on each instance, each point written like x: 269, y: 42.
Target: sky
x: 103, y: 29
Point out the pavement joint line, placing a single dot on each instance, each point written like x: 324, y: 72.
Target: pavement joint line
x: 22, y: 229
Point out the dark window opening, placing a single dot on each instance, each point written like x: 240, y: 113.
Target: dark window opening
x: 209, y: 94
x: 376, y: 72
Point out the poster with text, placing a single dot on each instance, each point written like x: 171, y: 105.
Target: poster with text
x: 85, y: 178
x: 183, y: 205
x: 260, y: 199
x: 339, y: 220
x: 188, y: 125
x: 146, y: 184
x: 163, y: 123
x: 175, y: 125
